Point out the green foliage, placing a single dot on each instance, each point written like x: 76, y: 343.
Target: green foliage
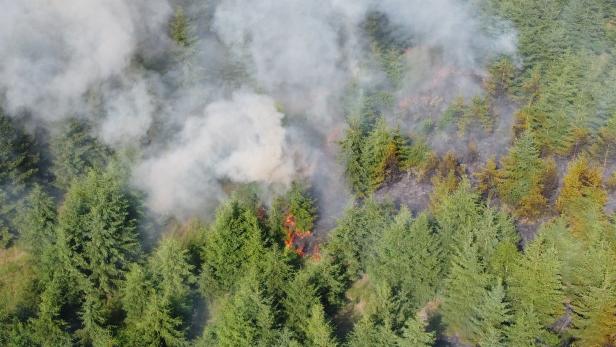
x: 179, y: 28
x: 536, y: 281
x: 245, y: 319
x: 318, y: 331
x: 500, y: 79
x: 302, y: 207
x: 37, y: 220
x: 158, y: 298
x: 522, y: 176
x: 97, y: 235
x: 352, y: 241
x: 373, y: 152
x: 407, y: 257
x: 75, y: 152
x: 491, y: 317
x: 415, y: 335
x: 231, y: 245
x: 527, y: 331
x: 18, y: 167
x: 464, y: 291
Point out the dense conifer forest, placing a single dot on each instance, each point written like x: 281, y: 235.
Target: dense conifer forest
x: 308, y: 173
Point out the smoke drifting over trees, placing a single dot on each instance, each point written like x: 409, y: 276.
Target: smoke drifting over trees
x: 109, y: 61
x: 308, y: 173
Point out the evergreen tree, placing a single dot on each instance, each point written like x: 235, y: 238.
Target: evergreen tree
x: 76, y: 152
x: 48, y: 328
x: 582, y: 197
x: 18, y: 167
x: 318, y: 331
x: 352, y: 146
x: 352, y: 241
x: 464, y: 291
x: 97, y: 231
x: 536, y: 280
x: 245, y: 319
x: 37, y: 220
x: 521, y: 177
x: 527, y: 331
x: 407, y: 258
x: 234, y: 242
x: 491, y: 317
x: 302, y: 207
x: 415, y: 335
x: 457, y: 214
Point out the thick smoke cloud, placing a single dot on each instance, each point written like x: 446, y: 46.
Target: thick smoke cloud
x: 241, y: 139
x: 52, y: 52
x: 196, y: 117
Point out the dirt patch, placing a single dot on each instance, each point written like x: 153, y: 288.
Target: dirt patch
x: 406, y: 190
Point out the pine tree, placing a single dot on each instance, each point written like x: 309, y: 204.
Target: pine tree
x: 415, y: 335
x: 536, y: 280
x: 232, y: 244
x: 464, y: 291
x: 491, y: 317
x: 318, y: 331
x: 521, y: 177
x: 301, y: 297
x: 76, y: 152
x: 245, y: 319
x: 380, y: 155
x: 407, y: 257
x: 487, y: 178
x: 156, y: 326
x: 367, y: 334
x: 97, y: 231
x: 302, y: 207
x: 582, y: 197
x: 179, y: 28
x: 173, y: 275
x: 527, y: 331
x: 37, y: 220
x: 49, y: 329
x: 352, y: 152
x: 18, y: 167
x: 352, y: 241
x: 593, y: 289
x: 456, y: 213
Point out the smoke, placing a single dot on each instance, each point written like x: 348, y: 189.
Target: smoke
x: 241, y: 139
x: 259, y: 97
x: 53, y: 51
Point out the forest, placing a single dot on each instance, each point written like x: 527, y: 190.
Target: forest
x: 308, y: 173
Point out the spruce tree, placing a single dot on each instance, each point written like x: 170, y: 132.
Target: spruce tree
x: 536, y: 280
x: 465, y: 290
x: 527, y: 331
x: 318, y: 330
x: 97, y: 231
x: 75, y: 151
x: 407, y: 257
x: 415, y: 334
x: 491, y: 317
x: 521, y: 177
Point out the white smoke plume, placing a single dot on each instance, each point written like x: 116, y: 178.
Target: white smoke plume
x: 215, y: 115
x: 53, y: 51
x: 241, y: 139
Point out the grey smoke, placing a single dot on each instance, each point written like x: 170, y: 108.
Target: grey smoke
x: 241, y: 139
x: 52, y: 52
x: 257, y: 100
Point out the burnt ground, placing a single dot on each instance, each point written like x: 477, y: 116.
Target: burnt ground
x: 406, y: 190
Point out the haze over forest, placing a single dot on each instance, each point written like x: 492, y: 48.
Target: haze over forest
x: 308, y: 173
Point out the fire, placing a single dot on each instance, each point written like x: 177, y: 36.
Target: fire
x: 296, y: 239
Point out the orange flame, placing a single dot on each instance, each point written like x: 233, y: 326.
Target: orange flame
x: 296, y: 239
